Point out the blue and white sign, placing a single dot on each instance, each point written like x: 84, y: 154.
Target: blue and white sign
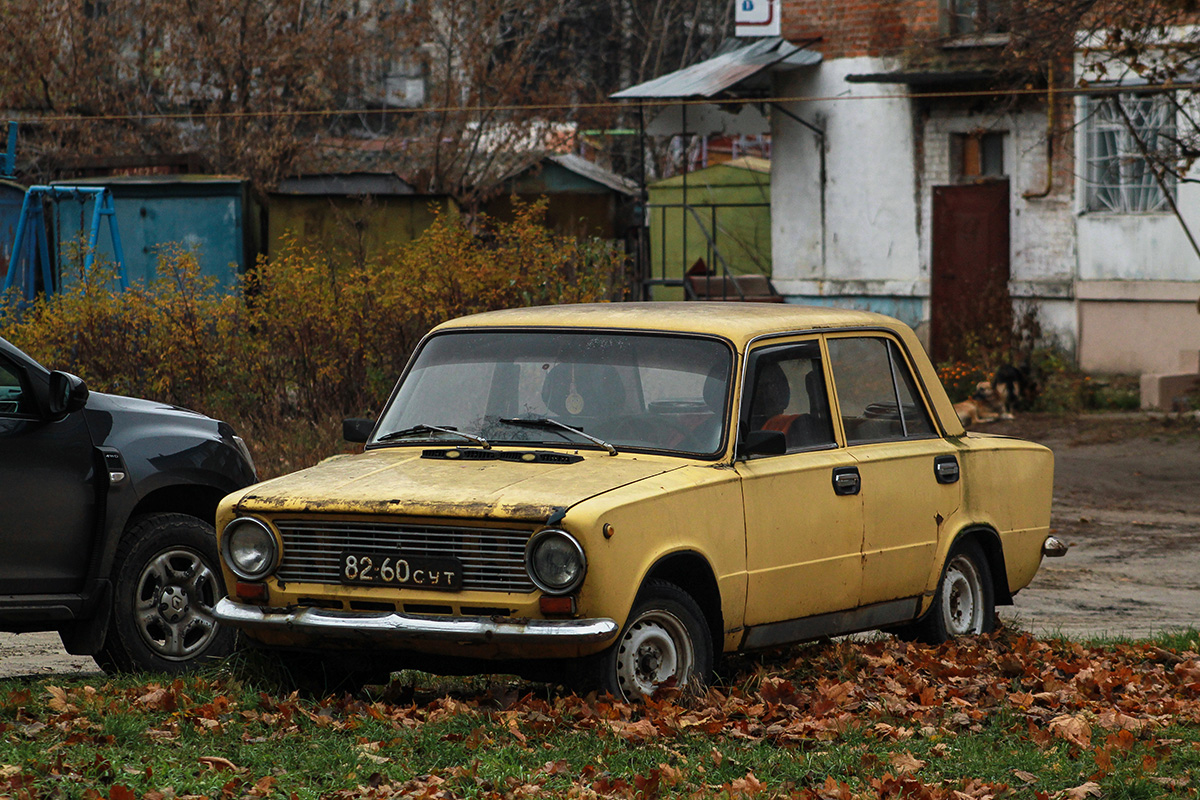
x: 756, y: 17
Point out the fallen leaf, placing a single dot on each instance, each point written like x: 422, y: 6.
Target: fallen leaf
x: 1089, y: 789
x: 905, y: 763
x: 58, y: 700
x: 218, y: 764
x: 1073, y: 729
x: 748, y: 786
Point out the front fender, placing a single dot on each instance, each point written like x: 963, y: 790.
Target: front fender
x: 694, y: 510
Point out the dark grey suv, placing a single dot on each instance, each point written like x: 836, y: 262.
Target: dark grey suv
x: 106, y: 510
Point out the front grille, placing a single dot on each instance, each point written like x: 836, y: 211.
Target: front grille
x: 493, y: 559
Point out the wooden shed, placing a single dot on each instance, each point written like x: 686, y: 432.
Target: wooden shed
x: 585, y: 198
x: 357, y: 213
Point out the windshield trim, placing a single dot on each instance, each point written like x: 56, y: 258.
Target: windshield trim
x: 722, y: 453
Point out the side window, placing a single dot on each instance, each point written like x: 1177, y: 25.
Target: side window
x: 13, y: 397
x: 876, y: 392
x: 787, y: 394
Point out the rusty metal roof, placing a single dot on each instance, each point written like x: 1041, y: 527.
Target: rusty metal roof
x: 722, y: 72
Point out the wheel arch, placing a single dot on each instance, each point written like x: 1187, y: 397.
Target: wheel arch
x: 988, y: 540
x: 692, y: 573
x: 195, y: 500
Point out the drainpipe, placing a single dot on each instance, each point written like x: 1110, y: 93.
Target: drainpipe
x: 1049, y: 140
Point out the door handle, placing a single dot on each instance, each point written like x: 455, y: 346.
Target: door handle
x: 846, y: 481
x: 945, y: 469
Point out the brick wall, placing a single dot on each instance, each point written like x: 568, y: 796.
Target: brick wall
x: 850, y: 28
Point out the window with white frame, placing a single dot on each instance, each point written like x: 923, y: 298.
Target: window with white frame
x: 1118, y: 177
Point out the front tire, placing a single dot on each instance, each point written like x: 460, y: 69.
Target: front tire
x: 965, y: 603
x: 166, y: 580
x: 666, y: 637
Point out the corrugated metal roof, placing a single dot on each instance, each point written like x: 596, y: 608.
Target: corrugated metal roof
x: 581, y: 166
x: 722, y: 72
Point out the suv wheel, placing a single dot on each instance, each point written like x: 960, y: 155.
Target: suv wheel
x: 166, y: 580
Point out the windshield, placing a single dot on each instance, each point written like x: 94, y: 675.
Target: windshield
x: 627, y: 390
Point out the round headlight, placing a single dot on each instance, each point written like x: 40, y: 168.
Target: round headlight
x: 249, y: 548
x: 555, y: 561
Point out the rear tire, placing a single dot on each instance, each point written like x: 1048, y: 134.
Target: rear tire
x: 166, y: 579
x: 965, y: 603
x: 666, y: 637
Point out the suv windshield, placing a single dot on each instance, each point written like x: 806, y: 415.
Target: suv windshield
x: 627, y: 390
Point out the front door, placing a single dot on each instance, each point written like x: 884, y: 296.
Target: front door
x: 970, y: 266
x: 47, y: 493
x: 803, y: 537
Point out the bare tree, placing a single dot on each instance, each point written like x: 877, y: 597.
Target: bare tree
x: 242, y: 83
x: 265, y: 88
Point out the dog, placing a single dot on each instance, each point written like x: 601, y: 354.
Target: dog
x: 994, y: 399
x: 1010, y: 387
x: 979, y: 407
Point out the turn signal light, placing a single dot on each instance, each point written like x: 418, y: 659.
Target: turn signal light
x: 557, y: 606
x: 251, y: 591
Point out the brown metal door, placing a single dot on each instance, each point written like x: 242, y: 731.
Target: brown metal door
x: 969, y: 285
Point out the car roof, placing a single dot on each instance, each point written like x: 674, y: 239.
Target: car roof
x: 737, y: 321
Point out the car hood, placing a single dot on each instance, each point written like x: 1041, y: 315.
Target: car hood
x: 400, y: 481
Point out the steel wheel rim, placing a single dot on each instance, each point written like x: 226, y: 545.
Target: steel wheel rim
x: 962, y: 597
x: 173, y: 604
x: 656, y: 647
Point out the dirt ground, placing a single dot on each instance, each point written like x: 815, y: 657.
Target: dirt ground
x: 1126, y: 498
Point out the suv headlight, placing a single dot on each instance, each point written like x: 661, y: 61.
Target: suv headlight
x: 555, y: 561
x: 249, y: 548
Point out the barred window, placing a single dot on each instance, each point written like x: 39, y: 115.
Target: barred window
x: 1118, y: 177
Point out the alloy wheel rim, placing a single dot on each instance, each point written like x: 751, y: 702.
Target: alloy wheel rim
x: 173, y: 612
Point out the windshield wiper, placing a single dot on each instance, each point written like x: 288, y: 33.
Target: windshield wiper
x: 554, y: 425
x: 416, y: 429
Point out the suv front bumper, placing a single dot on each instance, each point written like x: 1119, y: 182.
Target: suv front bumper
x: 389, y: 628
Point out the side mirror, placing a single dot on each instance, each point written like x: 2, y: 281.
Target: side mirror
x: 357, y: 430
x: 763, y: 443
x: 68, y: 394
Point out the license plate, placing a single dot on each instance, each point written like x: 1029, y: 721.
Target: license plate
x: 389, y: 569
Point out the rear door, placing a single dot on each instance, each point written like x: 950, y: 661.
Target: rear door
x: 803, y: 536
x: 909, y: 474
x: 47, y: 492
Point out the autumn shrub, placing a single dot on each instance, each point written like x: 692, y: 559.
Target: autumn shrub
x: 313, y: 337
x: 169, y: 340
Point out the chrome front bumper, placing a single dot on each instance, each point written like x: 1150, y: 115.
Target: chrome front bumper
x: 392, y: 628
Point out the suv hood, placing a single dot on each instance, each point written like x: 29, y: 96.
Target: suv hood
x: 400, y: 481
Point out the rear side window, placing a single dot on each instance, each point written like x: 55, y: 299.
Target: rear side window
x: 876, y: 392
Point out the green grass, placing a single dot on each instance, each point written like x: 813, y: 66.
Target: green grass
x: 1008, y: 715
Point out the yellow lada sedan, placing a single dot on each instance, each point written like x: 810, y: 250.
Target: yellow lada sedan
x: 623, y: 492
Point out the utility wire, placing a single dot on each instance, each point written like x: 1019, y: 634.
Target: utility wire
x: 47, y: 119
